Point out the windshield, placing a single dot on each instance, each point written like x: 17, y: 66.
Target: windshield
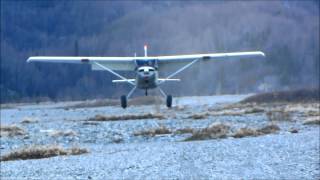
x: 151, y: 62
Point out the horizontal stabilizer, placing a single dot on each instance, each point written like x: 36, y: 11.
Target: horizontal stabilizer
x: 123, y: 80
x: 161, y: 80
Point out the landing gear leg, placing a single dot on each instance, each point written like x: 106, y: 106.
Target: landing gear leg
x: 146, y: 92
x: 123, y: 101
x: 169, y: 101
x: 168, y: 98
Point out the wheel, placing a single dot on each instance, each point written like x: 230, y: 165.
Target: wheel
x: 169, y: 101
x: 123, y: 101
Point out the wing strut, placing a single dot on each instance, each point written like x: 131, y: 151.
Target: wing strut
x: 179, y: 70
x: 131, y: 92
x: 162, y: 92
x: 114, y: 73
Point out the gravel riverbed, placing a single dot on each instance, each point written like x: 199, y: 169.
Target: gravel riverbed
x: 115, y: 152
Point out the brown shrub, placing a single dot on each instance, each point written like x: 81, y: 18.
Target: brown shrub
x: 214, y: 131
x: 38, y: 152
x: 99, y: 117
x: 11, y: 130
x: 312, y: 120
x: 153, y: 132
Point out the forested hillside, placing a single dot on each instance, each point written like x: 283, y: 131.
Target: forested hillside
x: 287, y: 31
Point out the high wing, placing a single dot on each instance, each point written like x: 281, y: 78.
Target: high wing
x: 114, y: 63
x: 179, y: 60
x: 128, y: 63
x: 213, y: 56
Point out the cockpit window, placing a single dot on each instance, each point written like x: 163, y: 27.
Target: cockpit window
x: 141, y: 70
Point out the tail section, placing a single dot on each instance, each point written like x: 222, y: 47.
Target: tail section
x: 145, y: 50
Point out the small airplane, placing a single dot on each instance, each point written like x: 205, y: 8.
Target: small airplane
x: 146, y: 67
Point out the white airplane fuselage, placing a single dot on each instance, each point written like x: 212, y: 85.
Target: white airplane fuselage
x: 146, y: 77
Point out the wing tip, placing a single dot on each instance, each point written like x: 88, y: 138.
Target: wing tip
x: 29, y: 60
x: 261, y: 53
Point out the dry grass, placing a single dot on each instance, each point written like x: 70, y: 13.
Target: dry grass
x: 99, y: 117
x: 244, y: 132
x: 312, y: 120
x: 11, y: 130
x: 146, y: 100
x: 90, y: 123
x: 313, y: 113
x: 184, y: 130
x: 7, y: 106
x: 198, y: 116
x: 143, y: 100
x: 237, y: 109
x: 302, y: 95
x: 180, y: 108
x: 57, y: 133
x: 38, y: 152
x: 309, y: 109
x: 279, y: 115
x: 153, y: 132
x: 28, y: 120
x: 269, y: 129
x: 228, y: 113
x: 214, y: 131
x: 94, y: 103
x: 77, y: 151
x: 253, y: 110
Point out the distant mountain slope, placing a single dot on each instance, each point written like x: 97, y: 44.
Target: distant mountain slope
x: 287, y: 31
